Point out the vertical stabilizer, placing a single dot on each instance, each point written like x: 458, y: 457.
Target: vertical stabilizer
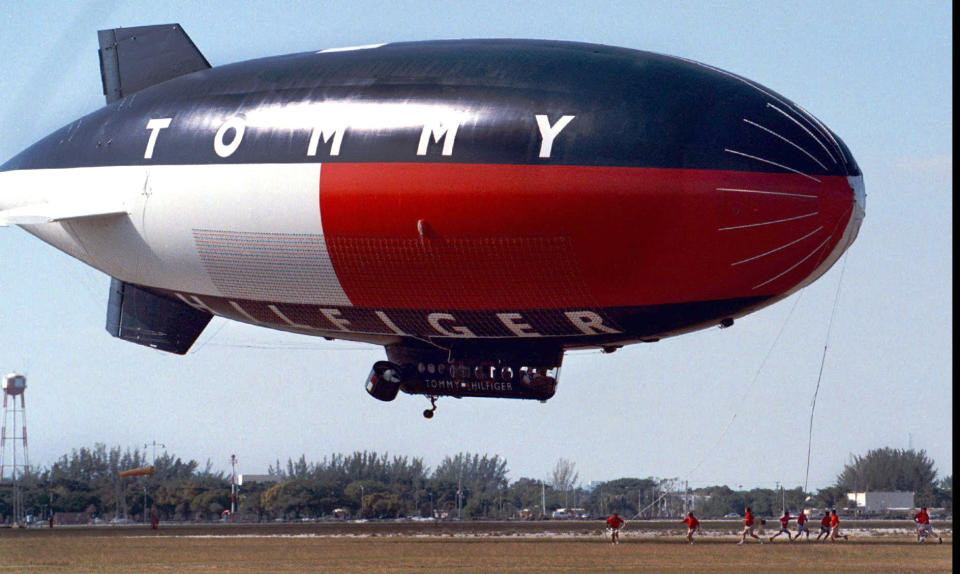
x: 132, y: 59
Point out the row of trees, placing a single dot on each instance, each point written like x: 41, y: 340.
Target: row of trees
x: 373, y: 485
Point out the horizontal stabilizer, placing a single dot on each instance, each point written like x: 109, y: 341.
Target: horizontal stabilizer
x: 132, y: 59
x: 145, y: 318
x: 52, y: 212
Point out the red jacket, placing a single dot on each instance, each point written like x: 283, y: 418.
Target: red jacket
x: 615, y: 522
x: 922, y: 517
x: 834, y: 520
x: 691, y: 522
x: 785, y: 520
x: 801, y: 518
x: 825, y: 521
x: 748, y: 519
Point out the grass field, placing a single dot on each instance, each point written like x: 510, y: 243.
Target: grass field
x: 370, y: 548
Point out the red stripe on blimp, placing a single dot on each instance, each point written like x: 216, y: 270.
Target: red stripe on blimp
x: 459, y: 236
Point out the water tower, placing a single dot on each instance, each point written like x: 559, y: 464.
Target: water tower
x: 13, y: 387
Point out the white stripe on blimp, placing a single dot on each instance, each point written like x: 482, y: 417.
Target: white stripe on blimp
x: 351, y: 48
x: 804, y: 128
x: 777, y: 248
x: 775, y: 134
x: 804, y: 216
x: 804, y: 195
x: 170, y: 205
x: 788, y: 168
x: 795, y: 265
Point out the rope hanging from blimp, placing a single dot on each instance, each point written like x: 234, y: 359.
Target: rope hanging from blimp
x: 743, y: 395
x: 823, y: 360
x: 756, y: 377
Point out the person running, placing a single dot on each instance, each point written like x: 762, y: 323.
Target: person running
x: 824, y: 526
x: 802, y: 525
x: 835, y: 527
x: 784, y: 526
x: 748, y: 527
x: 923, y: 526
x: 693, y: 525
x: 615, y: 523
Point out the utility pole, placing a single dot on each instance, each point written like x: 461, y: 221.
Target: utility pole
x: 233, y: 484
x: 543, y: 499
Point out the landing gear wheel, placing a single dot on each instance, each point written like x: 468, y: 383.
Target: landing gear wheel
x: 428, y: 413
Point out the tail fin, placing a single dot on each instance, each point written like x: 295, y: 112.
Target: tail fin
x: 132, y: 59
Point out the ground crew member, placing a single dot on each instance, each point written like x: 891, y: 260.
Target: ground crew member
x: 824, y: 526
x: 693, y: 525
x: 784, y: 526
x: 615, y: 523
x: 923, y: 526
x: 835, y: 527
x: 748, y: 527
x: 802, y: 525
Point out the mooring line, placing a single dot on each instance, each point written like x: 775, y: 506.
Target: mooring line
x: 823, y: 360
x: 743, y: 395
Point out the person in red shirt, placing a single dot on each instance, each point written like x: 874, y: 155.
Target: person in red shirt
x: 784, y: 526
x: 824, y: 526
x: 615, y: 523
x: 693, y: 525
x: 923, y: 526
x: 835, y: 527
x: 748, y: 527
x: 802, y: 525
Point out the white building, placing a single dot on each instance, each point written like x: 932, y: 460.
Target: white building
x: 251, y: 478
x: 882, y: 501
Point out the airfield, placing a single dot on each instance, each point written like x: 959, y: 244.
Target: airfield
x: 510, y: 546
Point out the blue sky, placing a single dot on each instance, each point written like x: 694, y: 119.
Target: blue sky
x: 713, y: 407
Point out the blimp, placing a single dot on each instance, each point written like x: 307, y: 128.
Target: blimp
x: 476, y: 207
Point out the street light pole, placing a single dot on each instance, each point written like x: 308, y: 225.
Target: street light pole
x: 153, y: 462
x: 154, y: 444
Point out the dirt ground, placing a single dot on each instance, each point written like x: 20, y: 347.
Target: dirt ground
x: 526, y: 547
